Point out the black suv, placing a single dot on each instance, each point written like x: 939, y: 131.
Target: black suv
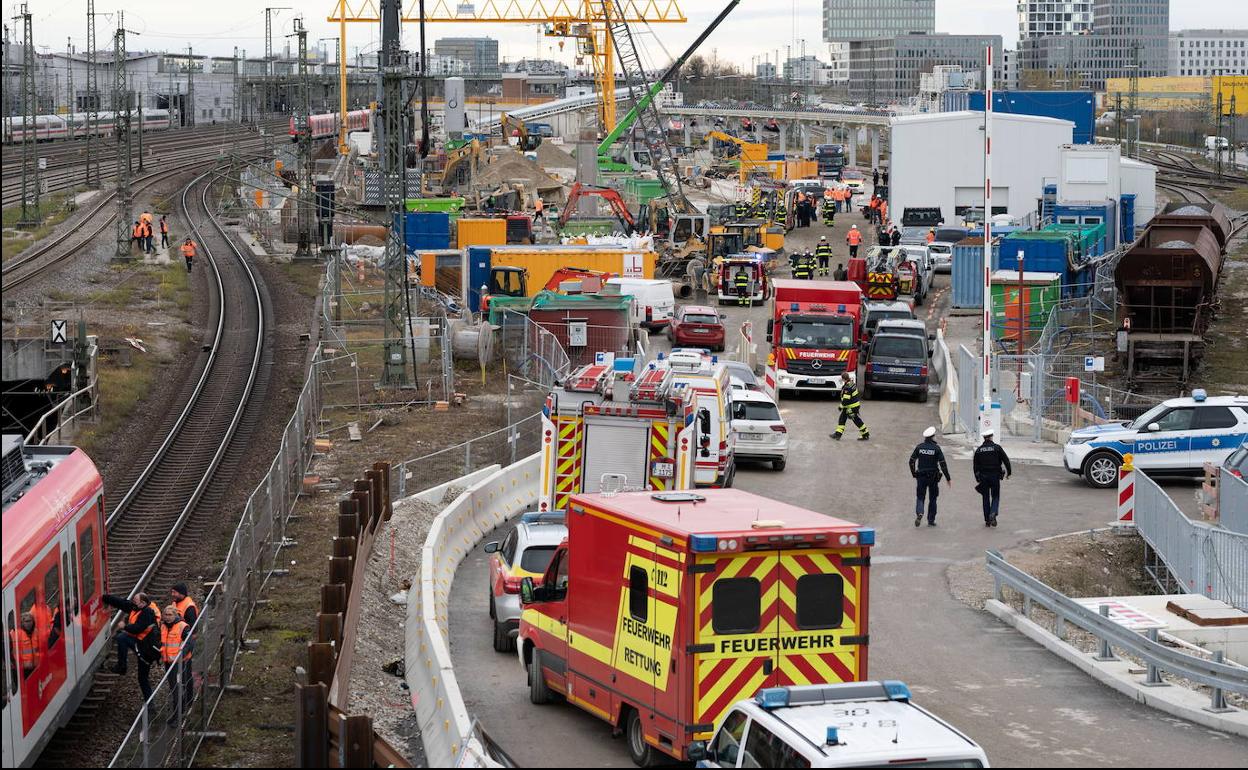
x: 896, y: 362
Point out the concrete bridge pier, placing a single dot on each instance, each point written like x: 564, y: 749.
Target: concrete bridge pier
x: 875, y: 148
x: 784, y: 137
x: 806, y: 128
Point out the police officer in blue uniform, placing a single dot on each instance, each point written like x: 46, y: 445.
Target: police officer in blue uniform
x: 927, y: 463
x: 989, y: 463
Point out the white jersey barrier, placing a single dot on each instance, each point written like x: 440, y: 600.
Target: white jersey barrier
x: 445, y: 726
x: 942, y: 362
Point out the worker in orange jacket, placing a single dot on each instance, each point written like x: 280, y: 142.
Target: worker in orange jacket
x: 853, y: 239
x: 164, y: 232
x: 136, y: 234
x: 23, y: 641
x: 188, y: 253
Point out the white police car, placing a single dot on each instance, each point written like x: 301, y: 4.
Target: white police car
x: 1176, y: 438
x: 855, y: 724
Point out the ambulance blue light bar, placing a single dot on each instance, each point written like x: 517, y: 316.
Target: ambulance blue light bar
x: 794, y: 306
x: 866, y: 536
x: 703, y: 543
x: 896, y: 690
x: 773, y: 697
x: 1199, y: 395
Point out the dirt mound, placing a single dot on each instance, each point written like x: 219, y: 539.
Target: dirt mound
x: 508, y: 166
x: 552, y: 156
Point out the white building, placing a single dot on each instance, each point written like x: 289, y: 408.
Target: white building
x: 1205, y: 52
x: 838, y: 67
x: 1094, y: 173
x: 938, y: 161
x: 1041, y: 18
x: 765, y: 71
x: 807, y: 69
x: 1009, y: 70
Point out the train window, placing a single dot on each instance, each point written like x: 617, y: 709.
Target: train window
x: 69, y: 563
x: 27, y: 603
x: 51, y: 604
x: 86, y: 551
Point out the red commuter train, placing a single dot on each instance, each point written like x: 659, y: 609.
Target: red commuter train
x: 55, y: 572
x: 325, y: 126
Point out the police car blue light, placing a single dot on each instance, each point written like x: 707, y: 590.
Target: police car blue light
x: 1176, y: 437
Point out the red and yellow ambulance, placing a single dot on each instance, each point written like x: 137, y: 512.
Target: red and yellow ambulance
x: 662, y: 609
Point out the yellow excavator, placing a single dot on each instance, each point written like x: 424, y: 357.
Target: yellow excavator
x: 513, y: 126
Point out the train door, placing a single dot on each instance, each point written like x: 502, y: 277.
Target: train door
x: 34, y: 623
x: 10, y: 704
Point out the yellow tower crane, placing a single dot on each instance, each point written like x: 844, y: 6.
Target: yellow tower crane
x: 584, y: 20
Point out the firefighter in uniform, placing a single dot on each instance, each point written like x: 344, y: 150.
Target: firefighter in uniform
x: 782, y: 215
x: 829, y: 212
x: 823, y: 252
x: 850, y: 404
x: 927, y: 463
x: 741, y: 282
x: 188, y: 253
x: 853, y: 239
x: 989, y: 463
x: 802, y: 269
x: 741, y: 210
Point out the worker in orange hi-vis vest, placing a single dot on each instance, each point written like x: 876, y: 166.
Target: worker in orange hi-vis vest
x: 539, y: 210
x: 188, y: 253
x: 853, y: 239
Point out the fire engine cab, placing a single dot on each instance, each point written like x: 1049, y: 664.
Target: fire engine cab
x: 663, y: 609
x: 757, y: 286
x: 607, y: 427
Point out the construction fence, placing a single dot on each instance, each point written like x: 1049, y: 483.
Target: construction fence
x: 1191, y: 556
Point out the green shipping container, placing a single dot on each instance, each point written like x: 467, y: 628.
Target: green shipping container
x: 590, y: 226
x: 1040, y: 294
x: 641, y: 191
x: 450, y: 206
x: 1087, y: 235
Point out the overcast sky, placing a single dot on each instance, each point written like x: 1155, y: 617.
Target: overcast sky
x: 757, y: 28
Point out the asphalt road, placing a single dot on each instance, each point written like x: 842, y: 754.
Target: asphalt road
x: 1021, y: 703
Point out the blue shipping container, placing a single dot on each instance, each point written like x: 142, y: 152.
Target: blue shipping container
x: 1039, y: 255
x: 1126, y: 216
x: 426, y: 230
x: 1079, y: 107
x: 1091, y: 214
x: 478, y: 274
x: 967, y: 272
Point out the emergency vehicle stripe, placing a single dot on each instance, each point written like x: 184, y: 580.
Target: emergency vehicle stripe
x: 568, y: 460
x: 676, y: 558
x: 660, y: 432
x: 745, y: 684
x: 826, y: 564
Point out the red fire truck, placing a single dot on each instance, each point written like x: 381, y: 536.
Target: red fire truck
x: 662, y: 609
x: 814, y: 332
x: 614, y: 427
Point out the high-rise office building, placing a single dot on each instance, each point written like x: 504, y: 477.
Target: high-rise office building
x: 883, y: 70
x: 858, y: 19
x: 1041, y: 18
x: 1126, y: 36
x: 1205, y: 52
x: 479, y: 53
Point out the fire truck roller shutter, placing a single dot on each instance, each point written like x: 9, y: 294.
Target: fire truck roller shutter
x: 615, y: 447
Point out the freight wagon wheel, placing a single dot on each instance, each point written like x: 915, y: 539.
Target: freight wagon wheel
x: 642, y: 753
x: 1101, y: 469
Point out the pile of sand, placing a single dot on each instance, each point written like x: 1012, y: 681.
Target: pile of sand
x: 552, y: 156
x: 510, y: 166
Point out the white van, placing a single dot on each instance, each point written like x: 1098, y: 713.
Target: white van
x: 855, y: 724
x: 654, y: 303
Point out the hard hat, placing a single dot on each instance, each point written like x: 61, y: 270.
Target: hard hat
x: 853, y: 227
x: 823, y: 237
x: 931, y: 431
x: 989, y: 433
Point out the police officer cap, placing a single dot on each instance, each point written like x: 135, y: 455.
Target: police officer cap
x: 931, y: 431
x: 988, y: 433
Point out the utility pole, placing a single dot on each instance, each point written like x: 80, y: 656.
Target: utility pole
x: 1133, y: 96
x: 93, y: 100
x: 1118, y: 117
x: 1232, y: 116
x: 268, y: 55
x: 393, y: 69
x: 121, y: 106
x: 69, y: 84
x: 190, y: 86
x: 1217, y: 132
x: 30, y: 163
x: 238, y: 94
x: 139, y: 102
x: 303, y: 202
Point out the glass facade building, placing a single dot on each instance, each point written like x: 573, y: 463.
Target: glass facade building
x: 858, y: 19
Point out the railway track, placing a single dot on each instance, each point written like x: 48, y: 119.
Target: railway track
x: 72, y: 175
x: 162, y: 524
x: 33, y: 263
x: 1192, y: 173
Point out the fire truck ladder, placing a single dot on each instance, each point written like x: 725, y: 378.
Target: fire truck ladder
x: 648, y: 115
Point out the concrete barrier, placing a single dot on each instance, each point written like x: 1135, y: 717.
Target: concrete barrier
x: 445, y: 725
x: 942, y: 363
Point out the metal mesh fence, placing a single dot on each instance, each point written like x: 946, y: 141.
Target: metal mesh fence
x: 1232, y: 502
x: 169, y: 730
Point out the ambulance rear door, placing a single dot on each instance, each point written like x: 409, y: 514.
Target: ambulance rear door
x: 822, y: 616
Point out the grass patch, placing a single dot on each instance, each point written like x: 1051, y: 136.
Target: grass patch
x: 1236, y: 199
x: 121, y: 389
x: 53, y: 210
x: 1225, y: 366
x: 122, y: 296
x: 306, y: 277
x: 175, y: 287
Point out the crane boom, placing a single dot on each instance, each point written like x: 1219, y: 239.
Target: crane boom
x: 604, y: 148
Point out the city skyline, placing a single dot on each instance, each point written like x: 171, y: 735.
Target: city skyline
x: 739, y: 40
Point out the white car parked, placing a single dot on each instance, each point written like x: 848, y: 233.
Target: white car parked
x: 759, y: 429
x: 1175, y: 438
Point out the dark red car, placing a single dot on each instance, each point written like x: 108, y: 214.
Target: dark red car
x: 697, y: 326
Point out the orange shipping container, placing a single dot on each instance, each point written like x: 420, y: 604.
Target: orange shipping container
x: 473, y: 231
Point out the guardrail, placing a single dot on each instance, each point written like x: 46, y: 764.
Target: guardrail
x: 1220, y: 677
x: 449, y: 734
x: 168, y: 731
x: 1202, y: 558
x: 1232, y: 502
x: 67, y: 415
